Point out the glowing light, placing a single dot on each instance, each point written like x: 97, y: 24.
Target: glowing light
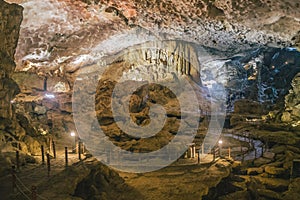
x: 72, y: 134
x: 50, y: 96
x: 220, y: 142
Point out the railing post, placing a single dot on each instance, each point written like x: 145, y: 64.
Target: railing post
x: 199, y: 156
x: 54, y: 150
x: 18, y: 160
x: 82, y: 148
x: 43, y: 154
x: 76, y: 144
x: 50, y: 144
x: 79, y: 150
x: 48, y: 164
x: 33, y: 193
x: 66, y: 156
x: 229, y: 152
x: 13, y: 175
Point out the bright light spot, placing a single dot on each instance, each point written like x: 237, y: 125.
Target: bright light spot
x: 12, y: 101
x: 43, y: 132
x: 220, y: 141
x: 72, y: 134
x: 50, y: 96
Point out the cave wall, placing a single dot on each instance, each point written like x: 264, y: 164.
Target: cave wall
x: 10, y: 21
x: 292, y: 103
x: 11, y: 17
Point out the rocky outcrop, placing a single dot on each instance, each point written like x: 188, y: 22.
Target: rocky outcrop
x: 292, y: 103
x: 11, y: 17
x: 10, y: 130
x: 105, y: 184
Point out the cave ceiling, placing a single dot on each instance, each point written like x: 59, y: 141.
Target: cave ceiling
x: 59, y: 34
x: 58, y: 37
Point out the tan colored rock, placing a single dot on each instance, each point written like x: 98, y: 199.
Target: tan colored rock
x: 34, y: 147
x: 261, y: 161
x: 57, y: 84
x: 286, y: 117
x: 293, y: 190
x: 245, y: 106
x: 40, y: 110
x: 275, y: 184
x: 28, y: 82
x: 268, y: 194
x: 274, y: 170
x: 269, y: 155
x: 255, y: 171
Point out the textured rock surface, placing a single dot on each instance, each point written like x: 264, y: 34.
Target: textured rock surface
x: 104, y: 183
x: 48, y: 48
x: 11, y: 17
x: 292, y: 103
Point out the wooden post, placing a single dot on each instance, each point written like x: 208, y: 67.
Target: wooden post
x: 229, y: 152
x: 82, y: 148
x: 43, y: 154
x: 54, y: 150
x: 48, y: 164
x: 50, y: 144
x: 199, y: 157
x: 79, y: 150
x: 262, y: 151
x: 13, y: 175
x: 202, y: 148
x: 255, y: 153
x: 76, y: 144
x: 66, y: 156
x: 194, y: 151
x: 33, y: 193
x: 18, y: 160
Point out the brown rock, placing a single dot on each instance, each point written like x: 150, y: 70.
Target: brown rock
x: 255, y: 171
x: 268, y: 194
x: 276, y: 171
x: 28, y: 82
x: 34, y: 147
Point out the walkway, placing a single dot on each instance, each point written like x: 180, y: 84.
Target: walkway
x: 35, y: 174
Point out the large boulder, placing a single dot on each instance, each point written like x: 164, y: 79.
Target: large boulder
x: 34, y: 147
x: 292, y: 103
x: 276, y: 171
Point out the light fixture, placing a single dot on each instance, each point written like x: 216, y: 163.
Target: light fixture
x: 220, y: 142
x: 72, y: 134
x: 49, y: 96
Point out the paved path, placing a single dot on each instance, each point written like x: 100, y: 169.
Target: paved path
x: 256, y: 145
x: 35, y: 174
